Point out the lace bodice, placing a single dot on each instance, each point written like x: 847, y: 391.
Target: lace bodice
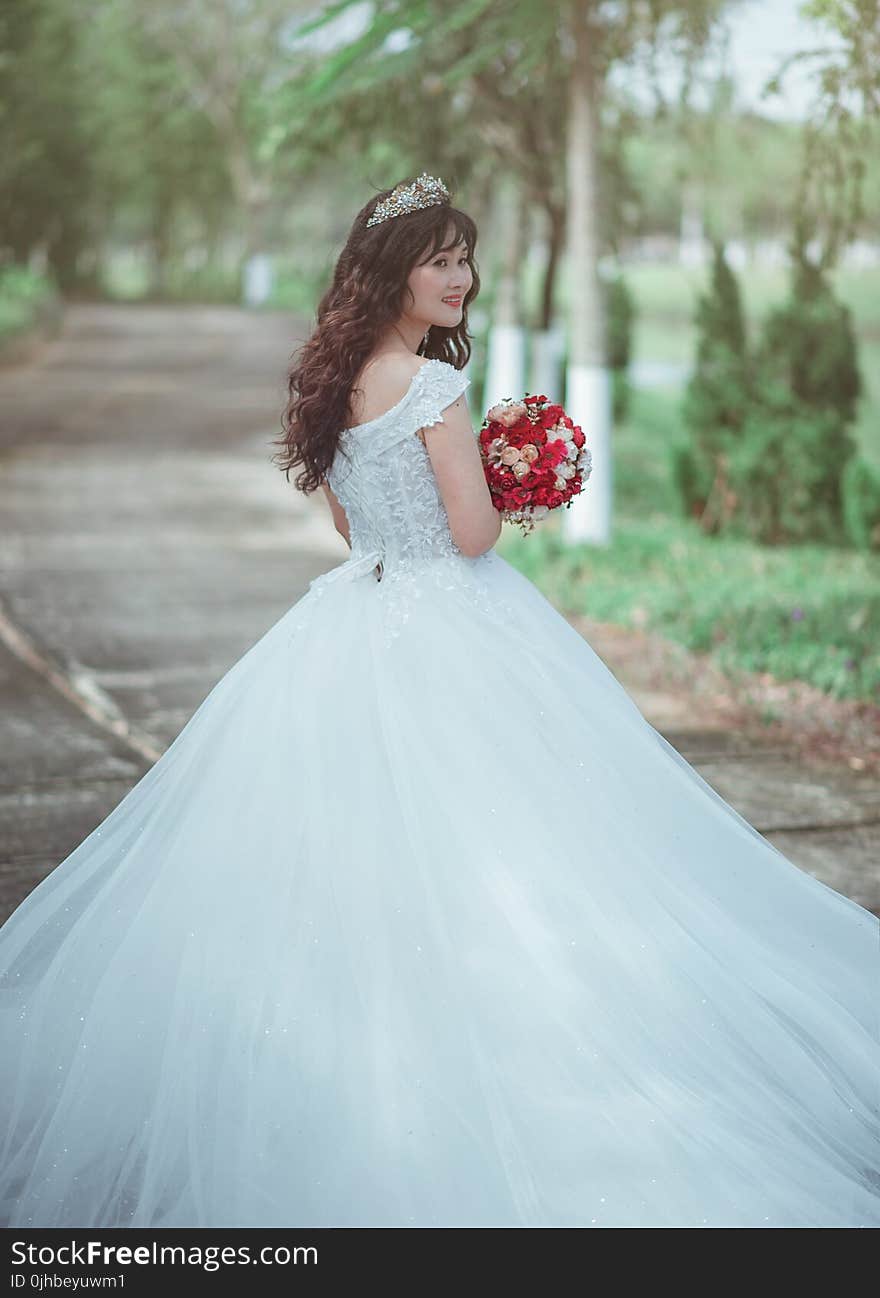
x: 398, y: 526
x: 383, y: 479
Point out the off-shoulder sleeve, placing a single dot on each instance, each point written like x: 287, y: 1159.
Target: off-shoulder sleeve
x: 434, y: 387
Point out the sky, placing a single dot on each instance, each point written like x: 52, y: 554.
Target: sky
x: 762, y: 33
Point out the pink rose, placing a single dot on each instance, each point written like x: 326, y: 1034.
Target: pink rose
x: 506, y: 413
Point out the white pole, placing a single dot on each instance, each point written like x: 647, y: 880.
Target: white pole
x: 588, y: 401
x: 548, y: 346
x: 506, y: 350
x: 505, y: 363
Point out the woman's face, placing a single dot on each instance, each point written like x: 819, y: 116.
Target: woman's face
x: 440, y: 286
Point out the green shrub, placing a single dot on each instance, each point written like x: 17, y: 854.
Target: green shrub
x: 715, y: 402
x: 621, y: 393
x: 808, y: 344
x: 692, y: 477
x: 619, y: 317
x: 788, y: 467
x: 26, y: 299
x: 861, y: 504
x: 785, y: 471
x: 768, y: 435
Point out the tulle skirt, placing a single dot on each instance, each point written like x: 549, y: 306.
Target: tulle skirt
x: 434, y: 930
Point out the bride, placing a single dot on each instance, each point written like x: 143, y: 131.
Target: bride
x: 418, y: 921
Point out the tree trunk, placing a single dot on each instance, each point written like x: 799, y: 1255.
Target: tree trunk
x: 588, y: 388
x: 160, y: 245
x: 548, y: 340
x: 505, y: 363
x: 253, y: 194
x: 691, y: 240
x: 555, y: 241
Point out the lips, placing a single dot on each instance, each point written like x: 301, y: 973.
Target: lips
x: 453, y: 301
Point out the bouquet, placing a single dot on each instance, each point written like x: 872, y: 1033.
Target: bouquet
x: 535, y: 459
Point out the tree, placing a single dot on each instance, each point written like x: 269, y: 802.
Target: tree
x: 232, y: 56
x: 838, y: 134
x: 716, y: 402
x: 46, y: 170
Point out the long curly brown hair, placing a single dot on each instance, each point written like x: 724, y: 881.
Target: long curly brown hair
x: 366, y: 296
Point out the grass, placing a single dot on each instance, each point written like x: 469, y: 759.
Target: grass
x: 800, y: 612
x: 807, y: 613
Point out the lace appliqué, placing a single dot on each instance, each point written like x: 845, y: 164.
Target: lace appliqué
x: 398, y: 525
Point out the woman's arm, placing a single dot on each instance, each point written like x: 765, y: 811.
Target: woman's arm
x: 474, y: 521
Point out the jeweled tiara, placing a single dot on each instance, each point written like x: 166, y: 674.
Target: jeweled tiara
x: 427, y: 191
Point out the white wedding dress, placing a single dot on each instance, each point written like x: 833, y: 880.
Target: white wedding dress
x: 419, y: 922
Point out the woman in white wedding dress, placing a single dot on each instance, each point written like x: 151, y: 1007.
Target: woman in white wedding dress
x: 418, y: 922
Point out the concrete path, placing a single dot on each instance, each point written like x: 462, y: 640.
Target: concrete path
x: 147, y: 541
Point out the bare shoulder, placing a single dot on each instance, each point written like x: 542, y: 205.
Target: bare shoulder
x: 382, y: 383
